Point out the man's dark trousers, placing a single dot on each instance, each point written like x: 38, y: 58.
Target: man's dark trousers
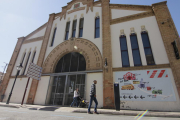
x: 90, y: 103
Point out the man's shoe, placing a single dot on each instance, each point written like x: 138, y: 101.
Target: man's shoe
x: 96, y: 113
x: 89, y: 113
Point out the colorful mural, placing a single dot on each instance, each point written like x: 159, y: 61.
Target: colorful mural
x: 145, y: 85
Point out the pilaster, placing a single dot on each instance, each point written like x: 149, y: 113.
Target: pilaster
x: 169, y: 34
x: 108, y: 89
x: 11, y: 65
x: 34, y: 83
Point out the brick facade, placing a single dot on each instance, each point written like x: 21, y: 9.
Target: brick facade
x: 169, y: 34
x: 9, y: 70
x: 34, y: 83
x: 94, y: 60
x: 108, y: 91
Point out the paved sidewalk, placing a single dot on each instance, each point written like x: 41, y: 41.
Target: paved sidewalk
x: 84, y: 110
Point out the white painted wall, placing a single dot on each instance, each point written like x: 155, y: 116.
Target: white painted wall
x: 42, y: 90
x: 99, y: 87
x: 88, y: 29
x: 21, y: 53
x: 161, y: 106
x: 18, y: 90
x: 38, y: 34
x: 122, y: 13
x: 155, y: 38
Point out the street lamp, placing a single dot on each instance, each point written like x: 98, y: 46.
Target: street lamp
x: 19, y: 67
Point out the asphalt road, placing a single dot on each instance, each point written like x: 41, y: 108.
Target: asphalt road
x: 7, y: 113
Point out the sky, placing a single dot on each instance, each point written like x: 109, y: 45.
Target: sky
x: 21, y: 17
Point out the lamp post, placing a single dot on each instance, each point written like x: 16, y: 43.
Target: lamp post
x: 19, y: 69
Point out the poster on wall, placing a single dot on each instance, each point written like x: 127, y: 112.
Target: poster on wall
x: 145, y: 85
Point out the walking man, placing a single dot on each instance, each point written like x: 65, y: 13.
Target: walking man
x: 93, y: 97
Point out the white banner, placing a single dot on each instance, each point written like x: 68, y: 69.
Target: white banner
x: 145, y: 85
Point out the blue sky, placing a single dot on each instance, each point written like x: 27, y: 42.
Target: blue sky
x: 21, y: 17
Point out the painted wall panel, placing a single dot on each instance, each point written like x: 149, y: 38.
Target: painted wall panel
x: 99, y: 87
x: 42, y: 91
x: 155, y: 38
x: 167, y: 100
x: 18, y: 91
x: 122, y: 13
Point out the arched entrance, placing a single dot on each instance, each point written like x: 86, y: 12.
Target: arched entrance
x: 61, y: 89
x: 68, y: 64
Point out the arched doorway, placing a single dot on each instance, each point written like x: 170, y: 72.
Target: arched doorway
x: 70, y: 77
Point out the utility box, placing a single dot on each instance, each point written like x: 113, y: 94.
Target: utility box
x: 117, y: 96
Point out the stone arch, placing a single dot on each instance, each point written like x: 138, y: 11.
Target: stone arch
x: 85, y: 47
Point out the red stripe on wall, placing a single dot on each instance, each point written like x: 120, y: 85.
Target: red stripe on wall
x: 153, y: 74
x: 161, y: 73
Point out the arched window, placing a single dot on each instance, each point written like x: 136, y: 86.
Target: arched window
x: 26, y: 64
x: 124, y: 51
x: 97, y: 27
x: 67, y: 30
x: 74, y: 28
x: 81, y: 27
x: 52, y: 42
x: 147, y: 48
x: 135, y: 50
x: 71, y: 62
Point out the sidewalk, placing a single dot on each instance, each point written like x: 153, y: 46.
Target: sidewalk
x: 84, y: 110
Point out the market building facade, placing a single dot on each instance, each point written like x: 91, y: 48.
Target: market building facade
x: 88, y: 40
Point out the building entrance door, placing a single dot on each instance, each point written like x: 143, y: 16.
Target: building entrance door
x: 61, y: 89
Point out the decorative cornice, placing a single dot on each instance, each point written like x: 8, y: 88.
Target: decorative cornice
x: 160, y: 3
x: 89, y: 4
x: 57, y: 15
x: 132, y: 17
x: 131, y: 7
x: 75, y: 10
x: 33, y: 40
x: 142, y: 67
x: 37, y: 30
x: 96, y: 3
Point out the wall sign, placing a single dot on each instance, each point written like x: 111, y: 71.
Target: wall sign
x: 76, y: 5
x: 145, y: 85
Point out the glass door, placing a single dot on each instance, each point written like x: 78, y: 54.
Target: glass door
x: 61, y: 89
x: 57, y: 94
x: 73, y: 82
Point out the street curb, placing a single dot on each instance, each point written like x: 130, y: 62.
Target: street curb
x: 10, y: 106
x: 105, y: 111
x: 149, y: 114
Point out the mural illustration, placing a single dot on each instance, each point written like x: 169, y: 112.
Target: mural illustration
x: 145, y: 85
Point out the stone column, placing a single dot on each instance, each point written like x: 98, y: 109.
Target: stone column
x: 42, y: 53
x: 108, y: 89
x: 11, y: 65
x: 169, y: 34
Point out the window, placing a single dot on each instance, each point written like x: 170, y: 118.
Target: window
x: 23, y: 58
x: 74, y: 28
x: 67, y: 30
x: 135, y: 50
x: 52, y: 42
x: 147, y: 48
x: 81, y: 27
x: 71, y: 62
x: 33, y: 57
x: 26, y: 63
x: 97, y: 27
x: 124, y: 51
